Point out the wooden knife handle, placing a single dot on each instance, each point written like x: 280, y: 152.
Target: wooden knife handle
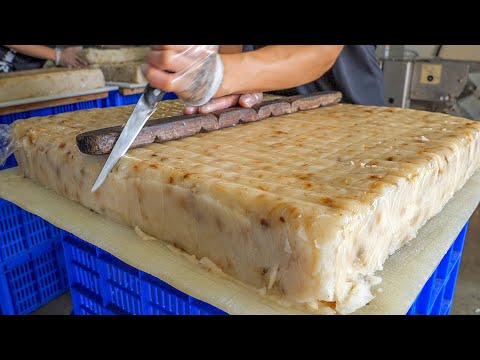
x: 101, y: 141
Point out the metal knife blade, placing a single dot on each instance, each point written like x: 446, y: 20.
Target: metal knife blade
x: 145, y: 107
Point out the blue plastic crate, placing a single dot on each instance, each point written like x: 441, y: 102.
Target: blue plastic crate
x: 100, y: 283
x: 53, y: 110
x: 116, y: 99
x: 87, y: 303
x: 32, y: 268
x: 31, y: 279
x: 436, y: 296
x: 20, y: 231
x: 10, y: 162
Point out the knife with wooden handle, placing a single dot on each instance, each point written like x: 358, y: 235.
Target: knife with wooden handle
x: 102, y: 141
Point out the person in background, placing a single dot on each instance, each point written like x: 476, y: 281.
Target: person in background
x: 249, y: 70
x: 27, y: 57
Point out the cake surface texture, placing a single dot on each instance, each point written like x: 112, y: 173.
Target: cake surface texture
x: 43, y: 82
x: 114, y: 56
x: 129, y: 72
x: 305, y: 206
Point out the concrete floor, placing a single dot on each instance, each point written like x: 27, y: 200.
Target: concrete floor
x: 467, y: 293
x: 62, y: 305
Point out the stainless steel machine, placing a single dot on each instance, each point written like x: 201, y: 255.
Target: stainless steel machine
x: 448, y: 86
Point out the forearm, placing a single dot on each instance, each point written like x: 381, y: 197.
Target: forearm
x: 37, y: 51
x: 276, y: 67
x: 230, y: 49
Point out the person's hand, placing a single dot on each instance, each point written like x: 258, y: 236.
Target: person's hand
x: 69, y: 57
x: 245, y: 100
x: 193, y: 72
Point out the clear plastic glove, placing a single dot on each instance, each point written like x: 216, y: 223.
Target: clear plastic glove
x: 69, y: 57
x: 193, y: 72
x: 6, y: 143
x: 245, y: 100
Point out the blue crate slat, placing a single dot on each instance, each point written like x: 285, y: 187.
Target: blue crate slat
x: 32, y: 279
x: 120, y: 284
x: 12, y: 239
x: 116, y: 99
x: 130, y: 99
x: 37, y: 230
x: 450, y: 288
x: 119, y: 288
x: 7, y: 305
x: 10, y: 162
x: 170, y: 96
x: 32, y: 266
x: 87, y: 303
x: 436, y: 296
x: 437, y: 305
x: 7, y: 119
x: 82, y: 261
x: 50, y: 271
x: 20, y: 230
x: 53, y: 110
x: 161, y: 298
x: 443, y: 268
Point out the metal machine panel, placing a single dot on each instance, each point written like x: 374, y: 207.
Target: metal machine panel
x: 397, y: 75
x: 438, y: 81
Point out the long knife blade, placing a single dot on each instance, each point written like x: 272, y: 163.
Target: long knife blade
x: 142, y: 112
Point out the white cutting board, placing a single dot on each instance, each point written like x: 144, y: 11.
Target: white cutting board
x: 404, y: 273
